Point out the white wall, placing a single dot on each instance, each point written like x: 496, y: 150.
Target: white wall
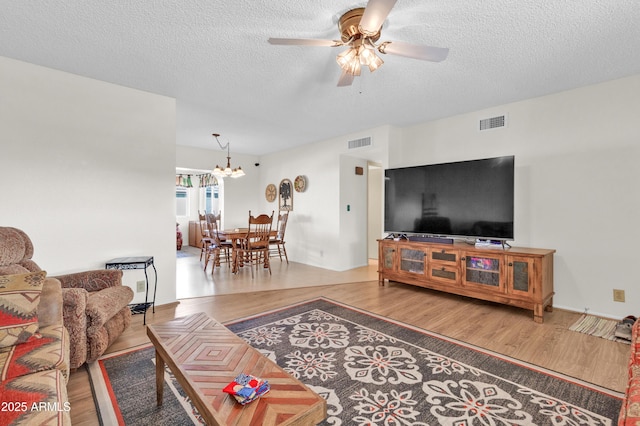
x: 577, y: 156
x: 353, y: 213
x: 320, y: 232
x: 313, y: 225
x: 87, y: 170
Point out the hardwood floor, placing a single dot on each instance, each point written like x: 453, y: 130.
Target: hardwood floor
x: 506, y: 330
x: 193, y: 281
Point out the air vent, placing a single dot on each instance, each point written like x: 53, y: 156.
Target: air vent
x: 493, y: 123
x: 360, y: 143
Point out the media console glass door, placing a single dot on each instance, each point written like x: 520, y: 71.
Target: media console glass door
x: 484, y: 271
x: 520, y: 271
x: 412, y: 261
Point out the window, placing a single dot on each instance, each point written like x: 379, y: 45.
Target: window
x: 211, y: 198
x: 182, y: 202
x: 207, y: 195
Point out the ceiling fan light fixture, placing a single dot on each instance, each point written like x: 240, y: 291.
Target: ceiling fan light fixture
x: 362, y: 54
x: 365, y: 55
x: 355, y: 68
x: 344, y: 58
x: 360, y: 32
x: 369, y: 58
x: 375, y: 63
x: 349, y: 61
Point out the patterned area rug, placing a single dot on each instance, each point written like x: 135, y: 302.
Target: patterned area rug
x: 124, y: 388
x: 372, y: 371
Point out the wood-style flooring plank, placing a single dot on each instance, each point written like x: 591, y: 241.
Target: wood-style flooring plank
x: 506, y: 330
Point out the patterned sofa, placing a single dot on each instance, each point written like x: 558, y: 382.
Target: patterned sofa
x: 34, y: 351
x: 630, y: 411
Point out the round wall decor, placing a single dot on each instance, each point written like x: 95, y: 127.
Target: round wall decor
x: 300, y: 183
x: 270, y: 193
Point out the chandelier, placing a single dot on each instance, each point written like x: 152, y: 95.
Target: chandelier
x: 227, y: 171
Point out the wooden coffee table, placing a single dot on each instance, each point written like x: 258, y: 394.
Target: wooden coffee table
x: 205, y: 356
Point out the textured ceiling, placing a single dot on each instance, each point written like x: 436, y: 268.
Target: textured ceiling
x: 213, y: 57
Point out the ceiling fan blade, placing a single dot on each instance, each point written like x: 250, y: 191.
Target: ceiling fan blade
x: 374, y: 15
x: 305, y: 42
x: 424, y: 53
x: 346, y: 78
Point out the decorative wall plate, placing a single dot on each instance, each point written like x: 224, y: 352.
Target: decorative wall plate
x: 300, y: 183
x: 270, y: 193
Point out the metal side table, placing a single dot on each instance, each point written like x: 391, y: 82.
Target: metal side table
x: 139, y: 262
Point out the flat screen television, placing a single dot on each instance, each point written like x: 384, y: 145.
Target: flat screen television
x: 466, y: 199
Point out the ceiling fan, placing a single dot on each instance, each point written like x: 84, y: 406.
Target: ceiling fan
x: 360, y: 31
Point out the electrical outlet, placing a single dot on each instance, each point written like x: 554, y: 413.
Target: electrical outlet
x: 141, y: 286
x: 618, y: 295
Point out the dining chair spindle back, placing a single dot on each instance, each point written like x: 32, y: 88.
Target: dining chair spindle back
x: 218, y: 251
x: 254, y: 248
x: 205, y: 237
x: 277, y: 243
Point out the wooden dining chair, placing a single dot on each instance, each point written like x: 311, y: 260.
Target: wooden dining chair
x: 217, y: 218
x: 206, y: 239
x: 276, y: 243
x: 254, y: 248
x: 218, y: 251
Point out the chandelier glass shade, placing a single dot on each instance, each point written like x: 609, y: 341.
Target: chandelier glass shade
x: 227, y: 171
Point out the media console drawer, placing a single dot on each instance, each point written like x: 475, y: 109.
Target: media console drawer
x: 515, y: 276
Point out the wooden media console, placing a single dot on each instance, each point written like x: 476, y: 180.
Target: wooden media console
x: 515, y: 276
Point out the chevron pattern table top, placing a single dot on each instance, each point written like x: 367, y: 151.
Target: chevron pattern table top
x: 205, y: 356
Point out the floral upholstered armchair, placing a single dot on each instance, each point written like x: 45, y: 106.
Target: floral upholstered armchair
x: 95, y: 303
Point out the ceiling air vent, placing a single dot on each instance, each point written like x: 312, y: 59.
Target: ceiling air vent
x: 493, y: 122
x: 360, y: 143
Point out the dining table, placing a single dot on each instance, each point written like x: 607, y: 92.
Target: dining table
x: 235, y: 235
